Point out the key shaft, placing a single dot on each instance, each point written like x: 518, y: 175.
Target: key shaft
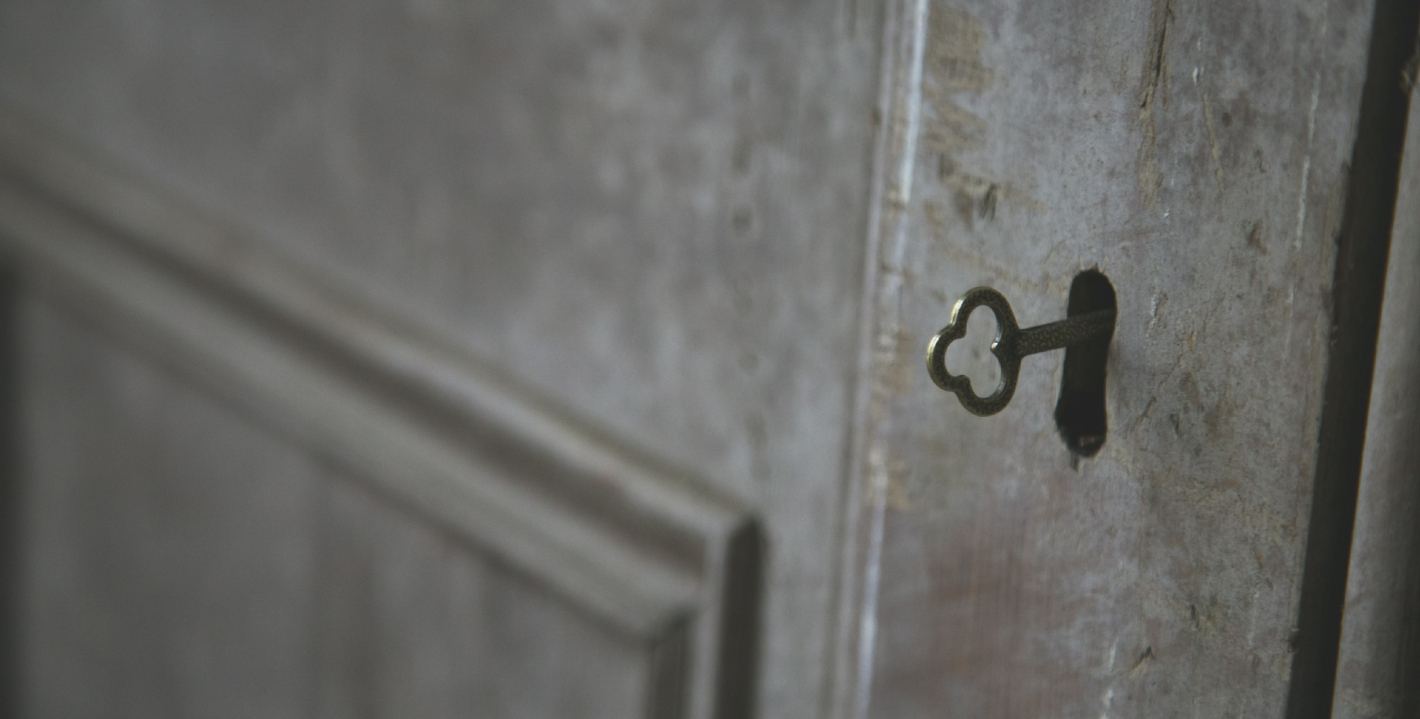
x: 1062, y: 334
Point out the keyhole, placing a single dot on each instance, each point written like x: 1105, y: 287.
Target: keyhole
x: 1080, y: 413
x: 971, y: 355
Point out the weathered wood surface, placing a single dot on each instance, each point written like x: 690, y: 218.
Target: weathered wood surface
x: 1196, y: 153
x: 655, y: 213
x: 650, y: 211
x: 628, y: 542
x: 182, y: 562
x: 1379, y: 668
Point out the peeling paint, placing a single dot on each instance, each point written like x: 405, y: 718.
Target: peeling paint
x: 953, y: 65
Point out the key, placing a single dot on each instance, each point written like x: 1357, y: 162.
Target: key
x: 1012, y: 344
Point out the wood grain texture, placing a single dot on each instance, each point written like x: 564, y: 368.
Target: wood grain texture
x: 1378, y: 673
x: 1197, y: 155
x: 632, y: 543
x: 652, y: 210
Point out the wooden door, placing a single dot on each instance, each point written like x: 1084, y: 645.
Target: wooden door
x: 1231, y: 169
x: 564, y: 359
x: 433, y: 358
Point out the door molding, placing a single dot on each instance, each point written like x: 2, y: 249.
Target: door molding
x: 636, y: 545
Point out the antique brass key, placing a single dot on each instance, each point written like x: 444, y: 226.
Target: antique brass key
x: 1011, y: 345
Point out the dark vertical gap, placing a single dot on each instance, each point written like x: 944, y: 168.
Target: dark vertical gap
x: 10, y: 495
x: 1357, y: 291
x: 736, y: 686
x: 670, y: 656
x: 1079, y: 413
x: 1405, y: 679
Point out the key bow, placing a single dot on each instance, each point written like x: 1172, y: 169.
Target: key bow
x: 1011, y: 345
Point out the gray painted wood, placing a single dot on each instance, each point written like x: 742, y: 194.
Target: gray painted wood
x: 411, y: 625
x: 1196, y: 153
x: 182, y: 562
x: 170, y: 550
x: 655, y: 213
x: 672, y: 568
x: 652, y: 211
x: 1379, y: 667
x: 362, y: 385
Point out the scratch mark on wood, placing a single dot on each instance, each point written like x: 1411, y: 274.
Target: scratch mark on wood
x: 1307, y: 162
x: 1213, y: 141
x: 1143, y: 663
x: 1302, y: 203
x: 1143, y: 415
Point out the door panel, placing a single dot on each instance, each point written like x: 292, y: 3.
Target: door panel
x: 652, y: 212
x: 170, y: 548
x: 413, y: 624
x: 182, y: 562
x: 1197, y: 154
x: 669, y: 569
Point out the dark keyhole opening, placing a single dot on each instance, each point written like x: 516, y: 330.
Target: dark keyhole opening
x: 1080, y: 415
